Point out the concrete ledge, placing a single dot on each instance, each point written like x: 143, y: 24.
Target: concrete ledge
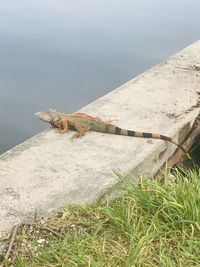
x: 49, y: 170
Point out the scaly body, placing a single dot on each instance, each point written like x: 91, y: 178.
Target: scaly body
x: 82, y: 123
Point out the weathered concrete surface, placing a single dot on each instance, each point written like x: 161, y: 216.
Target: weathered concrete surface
x: 49, y: 170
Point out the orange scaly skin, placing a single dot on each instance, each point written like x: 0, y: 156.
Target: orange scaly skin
x: 82, y: 123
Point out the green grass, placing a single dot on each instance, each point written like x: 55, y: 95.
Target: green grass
x: 150, y: 224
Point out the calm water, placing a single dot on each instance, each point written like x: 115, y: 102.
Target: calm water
x: 65, y: 54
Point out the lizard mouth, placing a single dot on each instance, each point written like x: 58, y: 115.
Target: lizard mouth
x: 43, y: 116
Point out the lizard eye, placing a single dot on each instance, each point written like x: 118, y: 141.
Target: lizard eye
x: 54, y: 120
x: 53, y: 123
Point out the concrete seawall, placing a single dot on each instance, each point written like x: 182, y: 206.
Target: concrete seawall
x: 50, y: 170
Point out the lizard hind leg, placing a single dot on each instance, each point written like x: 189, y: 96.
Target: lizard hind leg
x: 80, y: 131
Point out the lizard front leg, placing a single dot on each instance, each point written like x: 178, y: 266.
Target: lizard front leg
x: 62, y: 126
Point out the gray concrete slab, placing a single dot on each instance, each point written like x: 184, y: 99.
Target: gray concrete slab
x: 50, y: 170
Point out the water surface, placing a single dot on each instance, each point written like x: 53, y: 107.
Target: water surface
x: 65, y: 54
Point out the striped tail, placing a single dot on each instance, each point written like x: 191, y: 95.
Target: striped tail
x: 120, y: 131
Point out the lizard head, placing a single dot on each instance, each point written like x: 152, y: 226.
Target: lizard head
x: 51, y: 116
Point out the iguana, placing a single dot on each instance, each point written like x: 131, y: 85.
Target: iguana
x: 82, y: 122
